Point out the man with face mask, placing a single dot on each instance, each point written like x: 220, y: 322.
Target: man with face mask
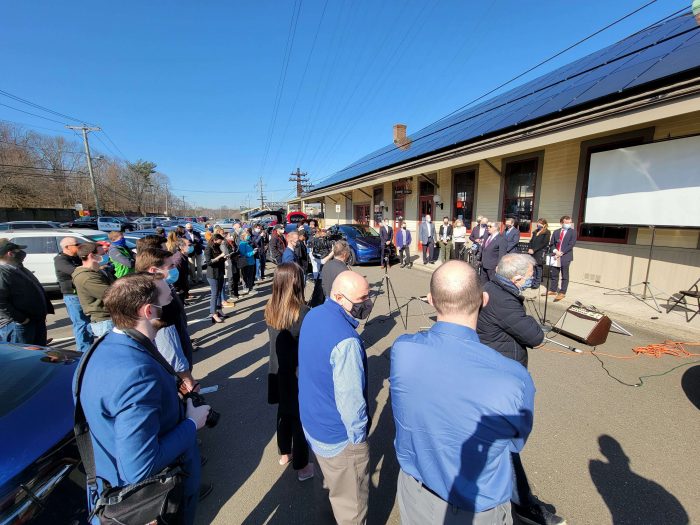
x: 333, y: 400
x: 504, y: 326
x: 138, y: 425
x: 65, y: 264
x: 480, y: 231
x: 561, y: 245
x: 426, y: 235
x: 91, y: 284
x: 23, y: 302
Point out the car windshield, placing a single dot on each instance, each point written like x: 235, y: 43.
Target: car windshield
x: 359, y: 230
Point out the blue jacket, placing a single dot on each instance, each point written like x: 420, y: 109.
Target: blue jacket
x: 567, y: 246
x: 403, y: 238
x: 512, y: 239
x: 136, y: 419
x: 246, y: 251
x: 332, y: 380
x: 493, y: 252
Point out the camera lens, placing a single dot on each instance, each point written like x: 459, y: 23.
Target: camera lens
x: 213, y: 418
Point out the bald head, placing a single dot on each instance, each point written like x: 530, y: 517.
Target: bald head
x: 352, y: 285
x: 455, y: 289
x: 69, y: 245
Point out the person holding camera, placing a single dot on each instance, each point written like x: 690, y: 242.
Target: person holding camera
x: 138, y: 426
x: 216, y: 271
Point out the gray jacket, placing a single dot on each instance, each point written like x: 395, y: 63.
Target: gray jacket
x: 425, y: 231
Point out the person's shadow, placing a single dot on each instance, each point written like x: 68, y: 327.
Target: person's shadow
x: 632, y: 499
x: 691, y: 385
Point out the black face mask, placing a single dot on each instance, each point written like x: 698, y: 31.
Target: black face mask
x: 361, y: 310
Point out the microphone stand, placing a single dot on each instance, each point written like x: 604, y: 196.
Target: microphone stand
x: 545, y: 327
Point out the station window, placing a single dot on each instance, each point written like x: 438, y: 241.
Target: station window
x: 519, y: 193
x: 463, y: 185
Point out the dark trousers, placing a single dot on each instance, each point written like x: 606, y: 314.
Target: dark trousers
x: 291, y: 439
x: 537, y: 277
x: 458, y: 251
x: 249, y: 276
x: 233, y: 283
x: 554, y: 278
x: 405, y: 256
x: 487, y: 274
x: 522, y: 485
x: 217, y: 286
x: 428, y: 251
x: 385, y: 253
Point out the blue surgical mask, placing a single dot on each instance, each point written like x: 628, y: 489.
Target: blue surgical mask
x: 173, y: 275
x: 104, y: 260
x: 190, y: 250
x: 567, y: 226
x: 527, y: 284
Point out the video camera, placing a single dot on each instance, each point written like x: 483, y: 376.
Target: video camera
x: 198, y: 400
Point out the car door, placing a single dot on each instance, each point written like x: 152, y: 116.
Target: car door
x: 41, y: 251
x: 107, y: 224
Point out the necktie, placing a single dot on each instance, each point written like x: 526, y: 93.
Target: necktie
x: 488, y: 241
x: 561, y: 238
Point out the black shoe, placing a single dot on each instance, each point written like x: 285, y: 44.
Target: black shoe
x: 204, y: 490
x: 536, y: 513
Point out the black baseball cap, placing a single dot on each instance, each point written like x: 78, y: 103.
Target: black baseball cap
x: 7, y: 246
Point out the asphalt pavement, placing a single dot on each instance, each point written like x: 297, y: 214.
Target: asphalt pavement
x: 601, y: 451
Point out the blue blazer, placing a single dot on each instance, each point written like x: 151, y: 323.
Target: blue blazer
x: 491, y: 254
x: 400, y: 243
x: 136, y: 419
x: 512, y: 240
x: 567, y: 247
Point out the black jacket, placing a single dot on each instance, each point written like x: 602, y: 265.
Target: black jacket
x: 503, y: 324
x: 215, y: 270
x: 490, y: 254
x: 277, y: 247
x: 538, y: 244
x: 65, y: 265
x: 21, y: 296
x: 302, y: 256
x: 441, y: 231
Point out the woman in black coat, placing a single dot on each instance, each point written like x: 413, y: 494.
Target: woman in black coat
x: 216, y: 272
x: 284, y: 314
x: 538, y: 249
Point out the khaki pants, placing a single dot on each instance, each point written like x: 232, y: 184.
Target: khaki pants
x: 445, y: 250
x: 347, y: 479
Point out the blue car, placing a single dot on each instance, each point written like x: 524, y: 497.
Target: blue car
x: 365, y: 246
x: 36, y: 429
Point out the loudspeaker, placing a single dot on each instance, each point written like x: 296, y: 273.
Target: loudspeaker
x: 587, y: 326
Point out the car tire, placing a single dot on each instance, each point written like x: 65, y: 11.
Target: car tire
x: 352, y: 260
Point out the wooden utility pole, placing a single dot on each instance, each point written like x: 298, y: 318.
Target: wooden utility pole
x: 259, y: 185
x: 301, y: 180
x: 85, y: 131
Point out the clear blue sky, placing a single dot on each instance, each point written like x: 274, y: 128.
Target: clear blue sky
x: 192, y: 85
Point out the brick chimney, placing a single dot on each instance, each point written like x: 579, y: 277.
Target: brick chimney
x: 400, y: 138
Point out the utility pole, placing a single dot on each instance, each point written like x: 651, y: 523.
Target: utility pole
x: 167, y: 194
x: 301, y: 179
x: 85, y: 131
x: 262, y: 197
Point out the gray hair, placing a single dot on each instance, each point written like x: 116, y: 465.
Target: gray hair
x: 514, y: 264
x: 341, y: 250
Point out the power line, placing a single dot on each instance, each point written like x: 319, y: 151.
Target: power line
x: 40, y: 168
x: 32, y: 114
x: 37, y: 127
x: 38, y: 106
x: 113, y: 144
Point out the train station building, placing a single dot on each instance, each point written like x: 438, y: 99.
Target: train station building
x: 526, y: 154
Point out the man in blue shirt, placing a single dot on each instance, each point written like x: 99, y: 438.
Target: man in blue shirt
x: 138, y: 425
x: 288, y: 254
x: 333, y: 395
x: 460, y: 408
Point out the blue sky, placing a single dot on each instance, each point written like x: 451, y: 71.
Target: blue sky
x: 193, y: 86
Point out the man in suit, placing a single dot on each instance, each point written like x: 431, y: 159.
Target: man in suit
x: 426, y: 235
x: 445, y: 240
x: 493, y: 248
x: 480, y: 230
x: 403, y: 243
x: 386, y: 234
x: 512, y: 235
x: 562, y: 246
x: 137, y: 422
x: 196, y: 256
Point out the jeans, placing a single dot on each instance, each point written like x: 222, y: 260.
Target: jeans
x: 217, y: 286
x: 316, y: 267
x: 196, y: 267
x: 260, y: 267
x: 81, y: 323
x: 32, y: 333
x: 100, y: 328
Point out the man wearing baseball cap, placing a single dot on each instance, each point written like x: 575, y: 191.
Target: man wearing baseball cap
x: 23, y: 302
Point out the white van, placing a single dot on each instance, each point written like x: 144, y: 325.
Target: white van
x: 109, y: 224
x: 43, y: 245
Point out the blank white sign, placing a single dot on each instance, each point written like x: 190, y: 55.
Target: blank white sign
x: 650, y: 185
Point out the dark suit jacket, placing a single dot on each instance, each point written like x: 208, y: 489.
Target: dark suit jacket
x: 538, y: 244
x: 567, y: 248
x: 442, y: 230
x: 386, y: 234
x: 474, y: 235
x: 512, y: 240
x: 491, y: 254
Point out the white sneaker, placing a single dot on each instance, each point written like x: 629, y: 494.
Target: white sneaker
x: 253, y: 292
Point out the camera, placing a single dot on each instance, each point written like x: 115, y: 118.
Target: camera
x: 198, y: 400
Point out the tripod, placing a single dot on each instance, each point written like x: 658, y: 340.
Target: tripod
x: 390, y: 292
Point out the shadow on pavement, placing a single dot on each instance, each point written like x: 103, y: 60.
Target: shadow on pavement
x: 691, y: 385
x: 631, y: 498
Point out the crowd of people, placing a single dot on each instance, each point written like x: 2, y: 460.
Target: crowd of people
x: 458, y: 455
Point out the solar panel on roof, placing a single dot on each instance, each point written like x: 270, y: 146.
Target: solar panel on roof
x: 658, y: 52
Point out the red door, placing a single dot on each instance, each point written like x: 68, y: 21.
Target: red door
x: 425, y: 204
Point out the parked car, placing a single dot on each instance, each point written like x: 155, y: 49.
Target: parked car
x: 119, y: 224
x: 43, y: 245
x: 365, y: 246
x: 81, y: 222
x: 146, y: 223
x: 28, y: 225
x: 36, y: 430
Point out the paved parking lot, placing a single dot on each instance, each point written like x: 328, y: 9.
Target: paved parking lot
x: 600, y: 451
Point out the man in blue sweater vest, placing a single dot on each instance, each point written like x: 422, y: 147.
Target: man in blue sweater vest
x: 460, y: 409
x: 333, y: 395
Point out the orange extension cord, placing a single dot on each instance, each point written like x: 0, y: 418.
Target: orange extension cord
x: 672, y: 348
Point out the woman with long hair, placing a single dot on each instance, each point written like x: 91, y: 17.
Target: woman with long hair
x: 171, y: 242
x: 216, y: 271
x: 284, y: 314
x: 538, y: 248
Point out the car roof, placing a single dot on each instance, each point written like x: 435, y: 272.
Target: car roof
x: 43, y: 232
x: 26, y: 222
